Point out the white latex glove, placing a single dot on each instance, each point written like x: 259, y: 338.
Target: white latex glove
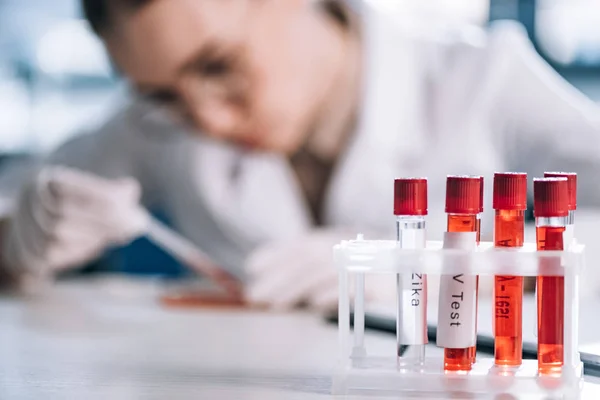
x: 301, y: 271
x: 66, y: 217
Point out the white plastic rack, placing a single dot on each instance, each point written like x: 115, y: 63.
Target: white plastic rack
x: 359, y: 373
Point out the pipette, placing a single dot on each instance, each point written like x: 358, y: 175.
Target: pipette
x: 189, y: 254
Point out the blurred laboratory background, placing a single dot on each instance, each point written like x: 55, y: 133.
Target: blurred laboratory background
x: 56, y: 80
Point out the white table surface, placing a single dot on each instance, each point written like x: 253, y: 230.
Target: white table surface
x: 110, y: 339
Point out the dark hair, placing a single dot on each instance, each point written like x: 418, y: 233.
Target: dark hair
x: 99, y: 12
x: 337, y: 11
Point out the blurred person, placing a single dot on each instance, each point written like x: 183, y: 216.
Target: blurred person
x: 269, y: 130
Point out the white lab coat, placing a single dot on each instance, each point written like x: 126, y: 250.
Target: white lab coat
x: 461, y: 102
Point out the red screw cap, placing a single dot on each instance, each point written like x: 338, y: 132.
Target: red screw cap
x: 572, y: 183
x: 551, y: 197
x: 464, y: 194
x: 510, y: 191
x: 410, y: 196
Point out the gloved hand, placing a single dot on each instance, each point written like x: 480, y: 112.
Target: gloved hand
x: 300, y: 271
x: 66, y: 217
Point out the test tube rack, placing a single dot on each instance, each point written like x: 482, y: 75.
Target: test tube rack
x: 359, y: 373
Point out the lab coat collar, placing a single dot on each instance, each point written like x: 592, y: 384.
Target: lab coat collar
x: 389, y: 137
x: 254, y: 197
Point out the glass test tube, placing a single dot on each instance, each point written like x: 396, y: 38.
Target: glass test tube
x: 572, y: 187
x: 473, y: 350
x: 551, y: 214
x: 410, y: 208
x: 510, y: 202
x: 463, y: 205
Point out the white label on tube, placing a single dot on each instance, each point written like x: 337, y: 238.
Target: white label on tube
x: 568, y: 236
x: 458, y: 299
x: 412, y: 295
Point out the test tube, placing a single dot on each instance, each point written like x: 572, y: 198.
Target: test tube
x: 458, y: 294
x: 510, y: 203
x: 472, y: 351
x: 410, y: 209
x: 572, y: 186
x: 551, y: 209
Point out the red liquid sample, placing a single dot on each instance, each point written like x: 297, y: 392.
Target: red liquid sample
x: 550, y: 305
x: 461, y: 359
x: 508, y: 292
x: 473, y: 350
